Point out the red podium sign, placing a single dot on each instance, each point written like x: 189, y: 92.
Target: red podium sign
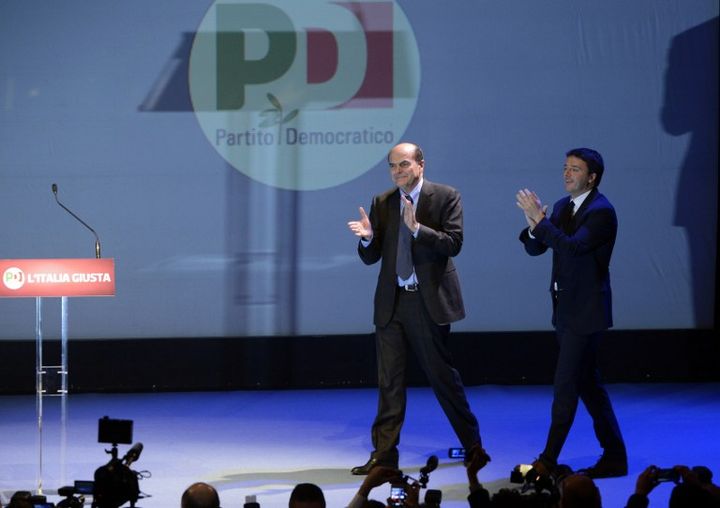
x: 57, y: 277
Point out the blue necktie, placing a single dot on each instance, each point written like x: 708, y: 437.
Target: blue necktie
x: 404, y: 250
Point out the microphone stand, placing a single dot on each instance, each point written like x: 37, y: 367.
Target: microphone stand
x: 97, y: 238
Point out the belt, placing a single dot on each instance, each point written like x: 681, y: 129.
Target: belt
x: 410, y: 288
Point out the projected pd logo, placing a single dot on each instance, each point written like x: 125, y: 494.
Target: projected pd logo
x: 304, y: 95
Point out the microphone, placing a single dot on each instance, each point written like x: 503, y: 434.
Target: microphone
x: 133, y: 454
x: 97, y: 238
x: 430, y: 465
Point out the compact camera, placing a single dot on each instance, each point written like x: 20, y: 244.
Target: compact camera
x: 668, y: 475
x: 456, y: 453
x: 397, y: 494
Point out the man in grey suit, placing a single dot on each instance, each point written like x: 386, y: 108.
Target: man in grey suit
x: 414, y: 230
x: 581, y: 233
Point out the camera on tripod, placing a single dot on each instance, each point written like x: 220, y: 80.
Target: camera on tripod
x: 115, y: 483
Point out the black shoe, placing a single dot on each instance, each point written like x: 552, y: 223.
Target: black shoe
x: 606, y: 467
x: 476, y: 449
x: 373, y: 462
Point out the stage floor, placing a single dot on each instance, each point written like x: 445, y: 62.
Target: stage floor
x: 264, y: 442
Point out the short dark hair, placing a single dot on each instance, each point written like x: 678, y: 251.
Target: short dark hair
x: 307, y: 492
x: 592, y: 158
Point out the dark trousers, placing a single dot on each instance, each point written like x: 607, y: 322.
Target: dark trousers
x: 577, y: 377
x: 412, y: 328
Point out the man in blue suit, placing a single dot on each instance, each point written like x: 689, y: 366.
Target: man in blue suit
x: 581, y: 232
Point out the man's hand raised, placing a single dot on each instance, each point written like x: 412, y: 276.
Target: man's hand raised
x: 362, y: 227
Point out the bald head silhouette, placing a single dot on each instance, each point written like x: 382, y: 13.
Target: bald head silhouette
x: 200, y: 495
x: 579, y: 491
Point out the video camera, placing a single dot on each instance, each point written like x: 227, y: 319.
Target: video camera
x: 398, y: 490
x: 539, y: 485
x: 81, y: 488
x: 115, y: 483
x: 26, y: 498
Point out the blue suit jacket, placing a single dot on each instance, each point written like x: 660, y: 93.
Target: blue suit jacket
x: 581, y: 260
x: 439, y: 212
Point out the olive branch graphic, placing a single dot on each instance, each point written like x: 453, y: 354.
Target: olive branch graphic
x: 275, y: 115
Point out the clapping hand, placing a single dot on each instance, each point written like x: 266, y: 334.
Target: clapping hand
x: 362, y: 227
x: 531, y: 205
